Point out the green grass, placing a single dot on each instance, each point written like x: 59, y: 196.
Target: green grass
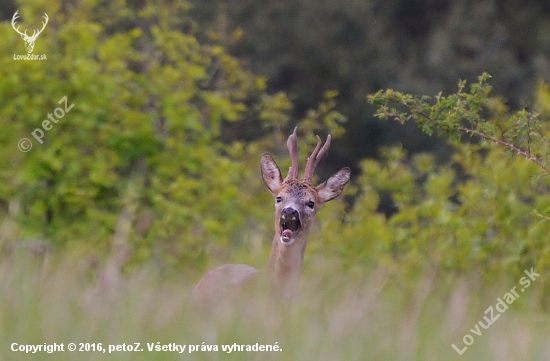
x: 372, y: 315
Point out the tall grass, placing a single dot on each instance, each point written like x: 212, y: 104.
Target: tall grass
x: 368, y: 315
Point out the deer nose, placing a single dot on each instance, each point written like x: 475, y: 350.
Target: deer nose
x: 290, y: 213
x: 290, y: 219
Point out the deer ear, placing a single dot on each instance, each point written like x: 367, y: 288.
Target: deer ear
x: 333, y: 186
x: 271, y: 174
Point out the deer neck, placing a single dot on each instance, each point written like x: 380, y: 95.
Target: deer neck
x: 285, y: 261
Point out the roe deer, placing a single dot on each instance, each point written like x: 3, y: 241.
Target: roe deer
x: 296, y: 203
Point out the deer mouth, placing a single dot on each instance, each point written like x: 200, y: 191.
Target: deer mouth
x: 290, y: 225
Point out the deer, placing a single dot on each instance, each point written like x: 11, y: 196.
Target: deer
x: 296, y: 204
x: 29, y: 40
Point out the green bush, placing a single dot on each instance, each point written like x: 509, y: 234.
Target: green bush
x: 152, y: 137
x: 150, y: 107
x: 484, y: 211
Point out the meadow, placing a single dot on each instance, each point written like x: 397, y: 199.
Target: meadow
x: 369, y: 316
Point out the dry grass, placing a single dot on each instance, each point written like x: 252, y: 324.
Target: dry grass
x: 368, y: 317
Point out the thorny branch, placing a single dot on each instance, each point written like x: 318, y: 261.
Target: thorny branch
x: 526, y: 154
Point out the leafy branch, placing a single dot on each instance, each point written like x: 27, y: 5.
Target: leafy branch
x: 473, y: 112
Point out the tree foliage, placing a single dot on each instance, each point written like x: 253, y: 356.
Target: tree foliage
x: 484, y: 210
x: 145, y: 135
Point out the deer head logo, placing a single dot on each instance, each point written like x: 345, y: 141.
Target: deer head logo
x: 29, y: 40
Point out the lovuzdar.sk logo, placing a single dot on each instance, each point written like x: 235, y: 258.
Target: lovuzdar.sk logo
x: 29, y: 39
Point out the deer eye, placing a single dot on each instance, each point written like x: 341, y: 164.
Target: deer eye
x: 279, y: 199
x: 310, y: 204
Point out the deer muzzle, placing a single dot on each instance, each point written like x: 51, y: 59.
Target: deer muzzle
x: 290, y: 224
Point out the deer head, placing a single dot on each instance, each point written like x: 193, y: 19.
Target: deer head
x: 29, y: 40
x: 297, y: 201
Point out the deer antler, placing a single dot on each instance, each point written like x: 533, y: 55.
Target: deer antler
x: 314, y: 159
x: 292, y: 144
x: 13, y: 21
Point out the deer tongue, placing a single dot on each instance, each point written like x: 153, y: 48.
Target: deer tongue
x: 287, y: 235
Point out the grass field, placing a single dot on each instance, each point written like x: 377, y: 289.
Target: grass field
x: 374, y: 315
